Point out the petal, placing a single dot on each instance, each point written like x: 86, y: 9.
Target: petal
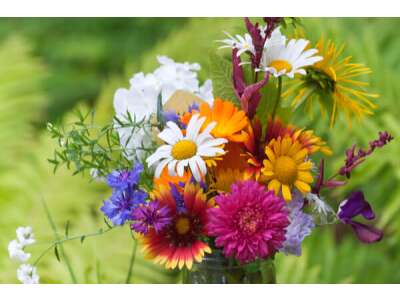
x: 355, y: 205
x: 171, y: 167
x: 305, y: 166
x: 270, y: 154
x: 305, y: 176
x: 302, y: 186
x: 176, y: 130
x: 201, y: 164
x: 365, y: 233
x: 274, y: 185
x: 286, y: 192
x: 168, y: 136
x: 300, y: 156
x: 161, y: 167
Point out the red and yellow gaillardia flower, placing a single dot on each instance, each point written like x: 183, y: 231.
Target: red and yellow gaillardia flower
x: 286, y: 167
x: 179, y: 243
x: 306, y: 138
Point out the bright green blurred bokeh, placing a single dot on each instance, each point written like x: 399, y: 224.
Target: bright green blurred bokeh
x: 47, y: 66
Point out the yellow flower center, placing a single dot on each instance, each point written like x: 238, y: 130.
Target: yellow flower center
x: 286, y: 170
x: 182, y: 225
x: 280, y: 65
x: 184, y: 149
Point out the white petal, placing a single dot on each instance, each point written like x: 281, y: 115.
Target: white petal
x: 195, y: 170
x: 158, y: 155
x: 202, y: 165
x: 168, y: 135
x: 194, y: 126
x: 214, y: 142
x: 181, y: 167
x: 210, y: 151
x: 161, y: 167
x: 171, y: 167
x: 177, y: 131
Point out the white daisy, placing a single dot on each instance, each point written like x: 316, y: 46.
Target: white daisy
x: 281, y: 59
x: 241, y: 43
x: 186, y: 151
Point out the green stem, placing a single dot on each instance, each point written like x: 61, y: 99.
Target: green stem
x: 132, y: 261
x: 278, y: 97
x: 56, y: 235
x: 61, y: 241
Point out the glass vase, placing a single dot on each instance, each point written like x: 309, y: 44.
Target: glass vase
x: 216, y: 269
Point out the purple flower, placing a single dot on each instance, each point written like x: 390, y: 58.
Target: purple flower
x: 259, y: 36
x: 193, y: 106
x: 150, y: 215
x: 249, y: 96
x: 171, y: 116
x: 353, y: 159
x: 124, y: 179
x: 300, y: 226
x: 118, y: 208
x: 180, y: 203
x: 357, y: 205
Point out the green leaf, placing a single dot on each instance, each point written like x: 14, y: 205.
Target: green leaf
x: 67, y: 229
x: 221, y: 75
x: 56, y: 253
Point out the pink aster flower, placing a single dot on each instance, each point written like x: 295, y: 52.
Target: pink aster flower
x: 249, y: 223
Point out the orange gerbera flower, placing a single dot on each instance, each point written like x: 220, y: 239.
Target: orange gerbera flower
x: 230, y: 120
x: 179, y: 243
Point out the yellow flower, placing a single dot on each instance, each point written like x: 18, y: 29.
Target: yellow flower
x: 334, y: 83
x: 286, y: 167
x: 230, y: 121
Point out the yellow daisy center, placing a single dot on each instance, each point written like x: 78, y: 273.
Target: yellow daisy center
x: 286, y: 169
x: 280, y: 65
x: 184, y: 149
x: 182, y: 225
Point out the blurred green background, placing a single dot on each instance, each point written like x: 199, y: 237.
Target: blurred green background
x: 50, y: 66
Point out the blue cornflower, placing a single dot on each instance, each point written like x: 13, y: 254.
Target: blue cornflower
x: 124, y: 179
x: 118, y: 208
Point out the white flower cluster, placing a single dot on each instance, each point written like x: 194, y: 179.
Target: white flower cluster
x: 16, y: 249
x: 323, y: 212
x: 140, y: 100
x: 278, y: 57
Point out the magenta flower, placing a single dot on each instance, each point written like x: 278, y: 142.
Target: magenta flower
x: 357, y: 205
x: 249, y: 223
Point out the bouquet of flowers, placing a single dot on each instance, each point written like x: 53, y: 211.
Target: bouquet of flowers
x: 219, y: 186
